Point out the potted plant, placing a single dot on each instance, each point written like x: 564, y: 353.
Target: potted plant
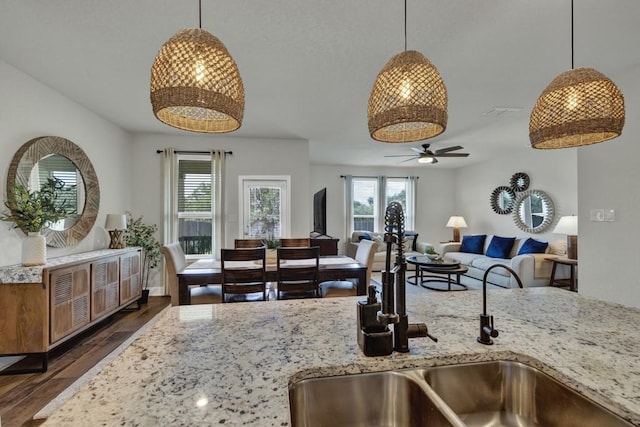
x: 143, y: 235
x: 31, y: 211
x: 431, y: 254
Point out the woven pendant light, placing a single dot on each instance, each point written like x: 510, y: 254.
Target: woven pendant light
x: 579, y: 107
x: 408, y: 101
x: 196, y: 85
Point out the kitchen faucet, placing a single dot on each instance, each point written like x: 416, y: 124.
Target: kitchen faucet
x: 374, y: 336
x: 487, y: 330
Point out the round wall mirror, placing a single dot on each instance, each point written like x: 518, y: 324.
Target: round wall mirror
x: 51, y: 156
x: 519, y: 182
x: 533, y: 211
x: 502, y: 200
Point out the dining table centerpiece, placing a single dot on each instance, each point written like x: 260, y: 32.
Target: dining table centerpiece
x: 31, y: 211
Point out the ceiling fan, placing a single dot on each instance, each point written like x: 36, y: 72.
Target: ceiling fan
x: 425, y: 155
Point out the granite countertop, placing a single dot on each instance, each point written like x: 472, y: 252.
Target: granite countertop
x: 241, y: 357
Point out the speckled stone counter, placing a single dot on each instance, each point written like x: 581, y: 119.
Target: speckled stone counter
x: 242, y: 357
x: 19, y: 274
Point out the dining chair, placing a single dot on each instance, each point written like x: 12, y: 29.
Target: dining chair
x: 294, y: 242
x: 344, y: 288
x: 297, y: 272
x: 243, y: 274
x: 175, y: 261
x: 247, y: 243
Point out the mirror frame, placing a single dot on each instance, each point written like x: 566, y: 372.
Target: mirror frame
x: 495, y: 198
x: 20, y: 171
x: 517, y: 177
x: 547, y: 220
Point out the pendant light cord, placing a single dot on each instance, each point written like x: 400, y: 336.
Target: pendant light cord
x: 200, y: 13
x: 572, y: 53
x: 405, y: 25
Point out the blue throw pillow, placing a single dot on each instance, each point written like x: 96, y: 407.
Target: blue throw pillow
x: 365, y: 236
x: 532, y: 246
x: 500, y: 247
x: 473, y: 244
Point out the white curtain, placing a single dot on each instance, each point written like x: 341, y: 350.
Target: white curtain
x: 410, y: 214
x: 348, y: 206
x: 217, y: 201
x: 381, y: 209
x: 169, y: 202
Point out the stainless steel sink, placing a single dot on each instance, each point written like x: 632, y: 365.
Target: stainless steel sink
x: 377, y: 399
x: 487, y: 394
x: 514, y: 394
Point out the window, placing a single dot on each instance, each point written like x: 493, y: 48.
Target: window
x: 264, y: 204
x: 365, y: 204
x: 194, y: 204
x: 370, y: 196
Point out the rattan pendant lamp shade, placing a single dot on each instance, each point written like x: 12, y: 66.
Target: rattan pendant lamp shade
x: 196, y: 85
x: 408, y: 101
x: 579, y: 107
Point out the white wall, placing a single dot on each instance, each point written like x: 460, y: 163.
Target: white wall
x: 552, y: 171
x: 250, y: 157
x: 435, y: 202
x: 608, y: 178
x: 36, y: 110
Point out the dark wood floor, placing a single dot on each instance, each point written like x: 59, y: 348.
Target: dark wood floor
x: 22, y: 396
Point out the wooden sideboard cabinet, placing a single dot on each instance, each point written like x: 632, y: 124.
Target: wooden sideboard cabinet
x: 64, y: 298
x: 328, y: 246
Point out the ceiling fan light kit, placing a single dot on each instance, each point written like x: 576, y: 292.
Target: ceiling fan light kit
x: 581, y: 106
x: 196, y: 85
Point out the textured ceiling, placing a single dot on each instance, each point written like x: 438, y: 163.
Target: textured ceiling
x: 308, y: 66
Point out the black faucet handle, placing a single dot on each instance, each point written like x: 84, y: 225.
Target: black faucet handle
x: 494, y: 332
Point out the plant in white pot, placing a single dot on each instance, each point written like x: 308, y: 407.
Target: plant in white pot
x: 31, y: 211
x: 143, y: 235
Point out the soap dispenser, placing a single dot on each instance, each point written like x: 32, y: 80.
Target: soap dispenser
x: 374, y: 338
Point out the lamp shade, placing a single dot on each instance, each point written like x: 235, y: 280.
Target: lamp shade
x: 408, y: 101
x: 567, y: 225
x: 457, y: 222
x: 196, y: 85
x: 579, y: 107
x: 116, y: 222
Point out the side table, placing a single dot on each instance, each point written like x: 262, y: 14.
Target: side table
x: 572, y: 281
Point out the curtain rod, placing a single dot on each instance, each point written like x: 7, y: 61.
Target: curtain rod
x: 230, y: 153
x: 375, y: 176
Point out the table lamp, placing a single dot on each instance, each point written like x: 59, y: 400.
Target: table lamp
x: 457, y: 222
x: 116, y: 224
x: 569, y: 225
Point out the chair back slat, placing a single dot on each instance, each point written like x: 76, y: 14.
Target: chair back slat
x: 247, y: 243
x: 289, y: 242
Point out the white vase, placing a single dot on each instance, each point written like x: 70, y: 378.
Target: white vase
x: 34, y: 249
x: 271, y: 256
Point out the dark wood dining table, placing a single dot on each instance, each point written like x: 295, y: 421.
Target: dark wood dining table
x: 208, y: 272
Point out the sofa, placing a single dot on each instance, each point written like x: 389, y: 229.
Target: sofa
x: 532, y: 268
x: 412, y: 246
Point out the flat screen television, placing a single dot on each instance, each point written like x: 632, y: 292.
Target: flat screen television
x: 320, y: 212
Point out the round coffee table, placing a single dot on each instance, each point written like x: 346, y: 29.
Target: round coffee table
x: 438, y: 269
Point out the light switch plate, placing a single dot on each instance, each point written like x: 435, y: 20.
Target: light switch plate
x: 597, y: 214
x: 610, y: 215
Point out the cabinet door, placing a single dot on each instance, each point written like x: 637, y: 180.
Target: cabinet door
x: 69, y: 300
x: 130, y: 285
x: 105, y: 289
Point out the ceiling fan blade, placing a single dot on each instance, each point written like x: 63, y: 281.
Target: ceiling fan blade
x: 453, y: 155
x: 408, y: 160
x: 417, y: 150
x: 401, y: 155
x: 446, y: 150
